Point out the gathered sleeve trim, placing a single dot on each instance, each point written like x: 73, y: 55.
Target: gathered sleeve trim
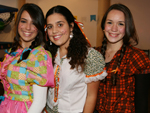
x: 96, y: 77
x: 95, y: 66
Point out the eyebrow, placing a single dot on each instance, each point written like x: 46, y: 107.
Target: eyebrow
x: 60, y: 22
x: 57, y: 22
x: 23, y: 18
x: 111, y: 20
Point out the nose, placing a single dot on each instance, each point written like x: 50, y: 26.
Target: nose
x: 28, y: 26
x: 114, y: 27
x: 54, y: 29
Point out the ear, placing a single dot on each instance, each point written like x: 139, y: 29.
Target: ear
x: 71, y: 26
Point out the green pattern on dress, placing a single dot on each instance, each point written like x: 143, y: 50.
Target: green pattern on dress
x: 15, y: 75
x: 40, y: 58
x: 43, y: 69
x: 54, y: 110
x: 30, y: 63
x: 43, y: 81
x: 94, y: 63
x: 16, y: 87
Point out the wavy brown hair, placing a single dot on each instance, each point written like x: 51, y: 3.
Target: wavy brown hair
x: 78, y: 47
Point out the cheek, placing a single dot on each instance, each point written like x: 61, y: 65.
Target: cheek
x: 49, y: 33
x: 107, y: 28
x: 20, y: 26
x: 34, y: 29
x: 64, y: 32
x: 122, y: 30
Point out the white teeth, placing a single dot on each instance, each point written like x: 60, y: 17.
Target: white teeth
x: 27, y: 33
x: 56, y: 36
x: 113, y: 35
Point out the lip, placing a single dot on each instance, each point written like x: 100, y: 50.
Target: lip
x: 113, y: 35
x: 56, y: 37
x: 27, y: 33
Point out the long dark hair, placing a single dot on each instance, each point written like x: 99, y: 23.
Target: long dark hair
x: 130, y: 36
x: 38, y: 20
x: 77, y: 49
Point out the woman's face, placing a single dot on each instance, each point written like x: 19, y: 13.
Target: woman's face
x: 27, y: 30
x: 59, y: 30
x: 115, y: 27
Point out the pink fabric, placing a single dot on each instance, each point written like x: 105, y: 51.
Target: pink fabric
x: 3, y: 71
x: 50, y: 74
x: 12, y: 106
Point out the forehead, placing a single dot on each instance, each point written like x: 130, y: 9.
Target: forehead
x: 25, y: 13
x: 116, y: 14
x: 55, y: 17
x: 26, y: 16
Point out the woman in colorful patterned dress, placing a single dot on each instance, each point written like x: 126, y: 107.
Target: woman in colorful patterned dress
x: 77, y: 67
x: 27, y: 69
x: 125, y: 89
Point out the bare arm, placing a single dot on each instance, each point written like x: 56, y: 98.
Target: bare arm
x: 92, y: 90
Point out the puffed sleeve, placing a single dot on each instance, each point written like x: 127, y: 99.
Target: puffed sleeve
x: 39, y: 68
x: 94, y: 68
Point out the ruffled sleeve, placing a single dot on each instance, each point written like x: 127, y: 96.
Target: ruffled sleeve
x: 39, y: 68
x: 3, y: 70
x: 94, y: 68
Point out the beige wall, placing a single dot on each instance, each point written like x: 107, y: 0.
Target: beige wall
x: 84, y: 8
x: 80, y: 8
x: 11, y: 3
x: 103, y: 5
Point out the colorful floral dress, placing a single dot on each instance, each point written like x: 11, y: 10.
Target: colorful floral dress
x: 18, y: 78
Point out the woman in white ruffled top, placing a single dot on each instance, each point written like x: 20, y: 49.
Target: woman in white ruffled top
x: 78, y: 68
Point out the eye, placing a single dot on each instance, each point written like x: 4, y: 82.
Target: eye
x: 122, y: 24
x: 109, y: 22
x: 33, y: 23
x: 60, y: 25
x: 49, y: 27
x: 23, y: 21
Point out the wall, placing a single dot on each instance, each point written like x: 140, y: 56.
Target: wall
x: 140, y: 11
x: 80, y: 8
x: 7, y: 34
x: 84, y: 8
x: 11, y: 3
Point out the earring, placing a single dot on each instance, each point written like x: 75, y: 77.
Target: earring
x: 45, y: 29
x: 71, y: 35
x: 50, y: 43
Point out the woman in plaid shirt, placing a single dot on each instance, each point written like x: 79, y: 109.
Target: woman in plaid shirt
x: 125, y: 89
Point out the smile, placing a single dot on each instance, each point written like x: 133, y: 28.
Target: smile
x: 27, y: 34
x: 113, y: 35
x: 57, y: 37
